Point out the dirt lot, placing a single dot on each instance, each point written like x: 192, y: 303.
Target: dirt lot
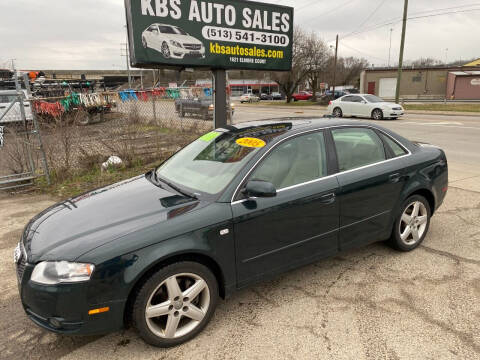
x: 364, y: 304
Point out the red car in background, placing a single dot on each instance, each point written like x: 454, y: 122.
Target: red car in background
x: 302, y: 95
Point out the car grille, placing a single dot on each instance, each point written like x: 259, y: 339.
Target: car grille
x: 192, y: 46
x: 21, y: 263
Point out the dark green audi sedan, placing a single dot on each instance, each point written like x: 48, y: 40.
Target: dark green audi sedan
x: 238, y: 205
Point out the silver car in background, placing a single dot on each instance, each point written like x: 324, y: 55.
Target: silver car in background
x: 14, y: 114
x: 364, y: 105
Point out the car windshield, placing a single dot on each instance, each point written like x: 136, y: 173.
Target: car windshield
x: 373, y: 99
x: 171, y: 30
x: 4, y: 99
x: 211, y: 162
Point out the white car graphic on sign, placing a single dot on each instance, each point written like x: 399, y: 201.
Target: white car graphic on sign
x: 172, y: 42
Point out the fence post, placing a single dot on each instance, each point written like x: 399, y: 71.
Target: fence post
x: 41, y: 147
x: 24, y: 119
x: 154, y: 108
x: 36, y: 131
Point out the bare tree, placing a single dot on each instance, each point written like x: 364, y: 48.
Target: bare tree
x: 316, y: 61
x: 426, y: 62
x: 288, y: 81
x: 352, y: 67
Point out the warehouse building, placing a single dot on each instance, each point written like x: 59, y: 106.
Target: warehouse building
x: 429, y: 83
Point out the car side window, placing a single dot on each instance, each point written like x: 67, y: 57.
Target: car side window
x: 347, y: 99
x: 357, y: 147
x: 295, y: 161
x: 357, y: 99
x: 396, y: 148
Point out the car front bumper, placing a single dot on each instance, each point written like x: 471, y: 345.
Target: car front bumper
x: 64, y: 308
x: 181, y: 53
x: 393, y: 113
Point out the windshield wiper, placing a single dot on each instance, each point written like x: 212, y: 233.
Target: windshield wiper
x: 176, y: 188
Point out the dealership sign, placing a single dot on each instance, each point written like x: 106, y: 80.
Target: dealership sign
x: 218, y: 34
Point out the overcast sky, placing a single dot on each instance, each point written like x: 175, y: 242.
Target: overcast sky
x: 86, y: 34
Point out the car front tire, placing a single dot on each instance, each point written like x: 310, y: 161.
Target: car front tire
x: 377, y: 114
x: 175, y: 304
x: 412, y: 223
x: 165, y: 51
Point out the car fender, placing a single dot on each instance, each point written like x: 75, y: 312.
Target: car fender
x: 117, y: 277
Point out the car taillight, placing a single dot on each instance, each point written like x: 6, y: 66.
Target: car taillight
x: 330, y: 102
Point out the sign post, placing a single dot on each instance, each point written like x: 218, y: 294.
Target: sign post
x: 210, y: 34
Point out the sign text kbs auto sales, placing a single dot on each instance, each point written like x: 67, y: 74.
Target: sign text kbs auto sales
x: 221, y: 34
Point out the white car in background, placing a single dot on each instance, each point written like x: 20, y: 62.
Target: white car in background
x: 364, y: 105
x: 172, y: 42
x: 14, y: 114
x: 250, y: 98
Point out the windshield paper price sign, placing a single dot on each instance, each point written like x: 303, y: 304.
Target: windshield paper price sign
x: 223, y: 34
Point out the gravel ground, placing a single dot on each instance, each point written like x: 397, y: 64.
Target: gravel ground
x: 364, y: 304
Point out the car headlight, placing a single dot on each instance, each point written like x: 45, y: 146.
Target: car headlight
x: 55, y: 272
x: 175, y: 43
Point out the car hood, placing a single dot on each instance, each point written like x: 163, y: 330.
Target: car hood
x: 184, y: 39
x: 73, y: 227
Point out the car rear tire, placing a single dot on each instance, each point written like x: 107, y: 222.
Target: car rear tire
x: 175, y: 304
x: 412, y: 223
x: 337, y: 112
x: 377, y: 114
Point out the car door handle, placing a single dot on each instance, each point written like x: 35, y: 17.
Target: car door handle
x: 394, y: 177
x: 328, y: 198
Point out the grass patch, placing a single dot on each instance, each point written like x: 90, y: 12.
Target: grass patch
x: 444, y: 107
x: 90, y: 180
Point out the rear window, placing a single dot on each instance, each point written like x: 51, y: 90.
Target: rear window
x: 357, y: 147
x: 396, y: 148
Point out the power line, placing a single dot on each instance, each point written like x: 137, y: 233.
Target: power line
x: 377, y: 26
x: 369, y: 16
x: 362, y: 52
x: 339, y: 7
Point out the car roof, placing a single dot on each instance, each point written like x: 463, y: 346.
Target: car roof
x: 299, y: 124
x: 296, y: 125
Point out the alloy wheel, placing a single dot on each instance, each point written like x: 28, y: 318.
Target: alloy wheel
x: 165, y: 50
x: 377, y: 114
x: 177, y: 306
x: 413, y: 223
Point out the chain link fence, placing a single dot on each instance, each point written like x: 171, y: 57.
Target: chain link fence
x: 77, y: 133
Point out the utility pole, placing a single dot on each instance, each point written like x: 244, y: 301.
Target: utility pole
x: 446, y: 56
x: 127, y: 56
x: 390, y: 47
x: 335, y: 66
x: 402, y: 44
